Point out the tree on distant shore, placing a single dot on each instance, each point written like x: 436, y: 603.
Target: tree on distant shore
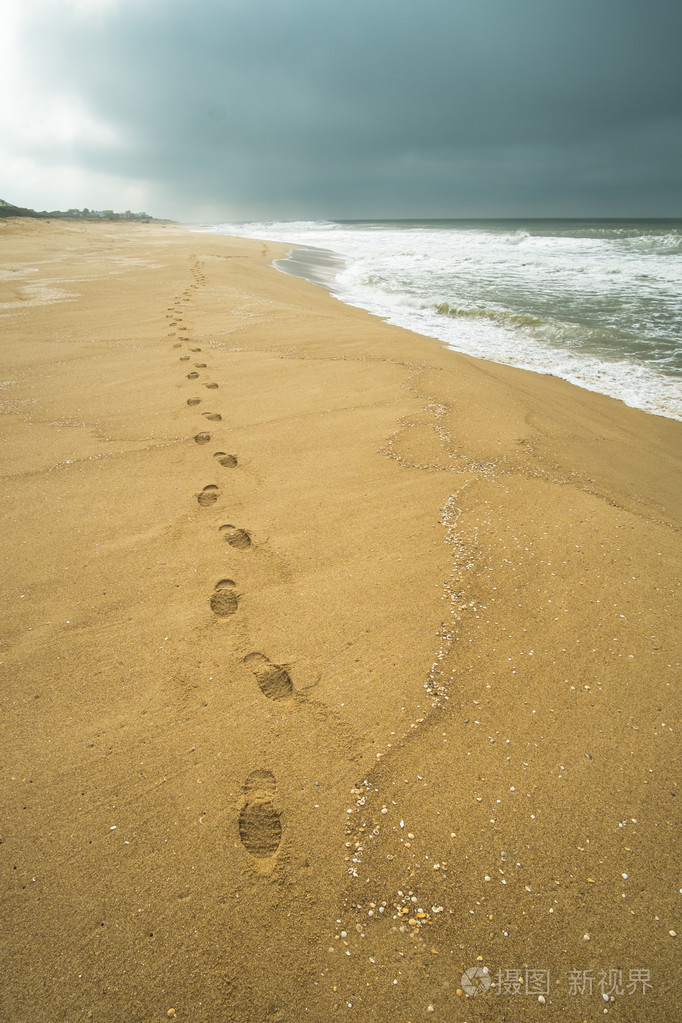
x: 8, y: 210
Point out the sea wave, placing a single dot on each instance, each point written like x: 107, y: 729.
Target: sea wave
x: 495, y: 315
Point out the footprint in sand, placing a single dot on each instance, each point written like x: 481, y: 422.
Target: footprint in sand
x: 177, y: 345
x: 260, y: 827
x: 199, y: 365
x: 238, y: 538
x: 194, y: 401
x: 195, y: 349
x: 274, y: 680
x: 224, y: 601
x: 214, y: 417
x: 229, y: 461
x: 208, y: 496
x: 184, y: 358
x: 193, y: 375
x: 202, y: 438
x: 211, y: 387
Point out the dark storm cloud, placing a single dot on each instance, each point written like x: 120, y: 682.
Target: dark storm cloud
x: 427, y: 107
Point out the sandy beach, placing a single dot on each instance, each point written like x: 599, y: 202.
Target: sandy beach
x: 338, y: 670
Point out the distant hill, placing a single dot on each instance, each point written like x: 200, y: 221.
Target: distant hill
x: 8, y: 210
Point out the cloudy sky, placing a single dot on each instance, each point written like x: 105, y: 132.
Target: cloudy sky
x: 253, y: 109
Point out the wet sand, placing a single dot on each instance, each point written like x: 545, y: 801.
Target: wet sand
x: 334, y: 664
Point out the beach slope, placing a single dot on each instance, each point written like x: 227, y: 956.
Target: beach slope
x: 334, y: 664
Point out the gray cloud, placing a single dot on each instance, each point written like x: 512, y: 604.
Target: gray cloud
x: 282, y: 108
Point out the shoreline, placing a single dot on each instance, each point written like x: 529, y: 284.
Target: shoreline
x: 316, y: 275
x: 510, y: 336
x: 320, y: 687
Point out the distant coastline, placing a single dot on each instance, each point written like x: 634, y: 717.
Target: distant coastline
x: 9, y: 210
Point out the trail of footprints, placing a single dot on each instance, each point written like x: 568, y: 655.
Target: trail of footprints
x: 260, y: 826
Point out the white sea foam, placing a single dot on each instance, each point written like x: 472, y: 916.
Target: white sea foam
x: 598, y: 304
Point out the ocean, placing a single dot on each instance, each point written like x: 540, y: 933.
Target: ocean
x: 598, y: 303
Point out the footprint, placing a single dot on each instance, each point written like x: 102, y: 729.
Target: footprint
x: 224, y: 600
x: 194, y: 401
x: 208, y: 496
x: 238, y: 538
x: 215, y: 417
x: 229, y: 461
x: 184, y: 358
x: 260, y: 827
x: 274, y: 680
x: 193, y: 375
x: 202, y: 438
x: 177, y: 345
x: 260, y: 783
x: 195, y: 349
x: 211, y: 387
x: 199, y: 365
